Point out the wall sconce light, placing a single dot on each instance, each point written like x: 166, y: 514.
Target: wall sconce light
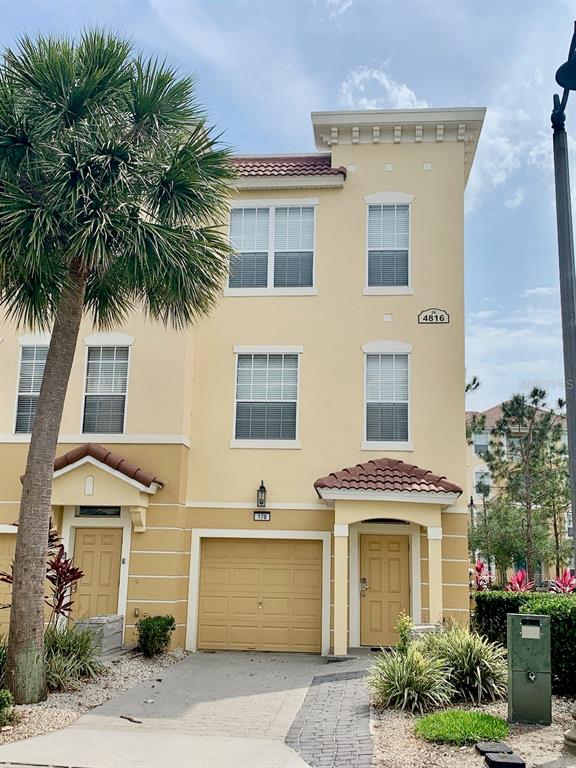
x: 261, y: 496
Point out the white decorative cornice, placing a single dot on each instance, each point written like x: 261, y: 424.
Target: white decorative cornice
x: 388, y: 198
x: 111, y: 339
x: 330, y: 181
x: 375, y: 126
x: 40, y: 339
x: 387, y: 347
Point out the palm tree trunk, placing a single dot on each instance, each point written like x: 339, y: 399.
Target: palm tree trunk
x: 25, y: 661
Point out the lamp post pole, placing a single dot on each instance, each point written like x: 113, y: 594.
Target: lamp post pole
x: 566, y: 78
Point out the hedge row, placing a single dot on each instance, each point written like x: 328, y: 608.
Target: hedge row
x: 490, y: 620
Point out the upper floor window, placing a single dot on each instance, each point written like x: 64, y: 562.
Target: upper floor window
x: 266, y: 396
x: 481, y: 443
x: 387, y: 397
x: 274, y: 247
x: 32, y: 362
x: 388, y: 245
x: 482, y: 482
x: 106, y: 389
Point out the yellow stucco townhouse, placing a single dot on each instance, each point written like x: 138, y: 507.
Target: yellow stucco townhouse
x: 287, y: 475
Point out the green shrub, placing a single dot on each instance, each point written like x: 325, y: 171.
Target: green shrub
x: 409, y: 681
x: 6, y: 704
x: 459, y: 727
x: 70, y: 656
x: 491, y: 609
x: 477, y: 668
x: 562, y: 611
x: 490, y: 620
x: 404, y: 626
x: 154, y: 634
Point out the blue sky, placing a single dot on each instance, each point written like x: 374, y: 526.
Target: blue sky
x: 262, y: 67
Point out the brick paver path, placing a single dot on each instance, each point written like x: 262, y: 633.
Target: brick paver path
x: 332, y: 728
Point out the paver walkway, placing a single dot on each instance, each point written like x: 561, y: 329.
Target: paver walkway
x: 332, y: 729
x: 219, y: 710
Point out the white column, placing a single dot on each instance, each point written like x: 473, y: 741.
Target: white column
x: 341, y: 589
x: 435, y: 574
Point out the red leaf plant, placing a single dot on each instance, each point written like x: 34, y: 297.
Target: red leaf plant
x: 482, y: 576
x: 519, y: 582
x: 61, y: 574
x: 564, y: 584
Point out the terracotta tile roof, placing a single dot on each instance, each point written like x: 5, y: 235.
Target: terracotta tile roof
x: 492, y: 415
x: 111, y: 459
x: 287, y: 165
x: 387, y: 475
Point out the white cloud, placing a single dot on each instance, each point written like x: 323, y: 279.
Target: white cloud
x: 261, y: 73
x: 543, y: 290
x: 372, y: 88
x: 516, y: 200
x: 337, y: 7
x: 500, y: 154
x: 483, y: 314
x: 513, y: 349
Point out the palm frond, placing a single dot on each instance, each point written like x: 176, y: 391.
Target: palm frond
x: 107, y: 164
x: 159, y: 98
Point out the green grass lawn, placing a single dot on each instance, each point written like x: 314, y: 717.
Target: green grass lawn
x: 458, y: 727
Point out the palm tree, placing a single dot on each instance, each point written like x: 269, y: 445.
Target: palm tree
x: 113, y: 190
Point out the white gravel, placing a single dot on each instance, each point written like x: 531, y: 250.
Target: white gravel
x: 61, y: 709
x: 396, y: 746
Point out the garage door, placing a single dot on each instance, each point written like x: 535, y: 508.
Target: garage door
x: 7, y: 547
x: 260, y: 594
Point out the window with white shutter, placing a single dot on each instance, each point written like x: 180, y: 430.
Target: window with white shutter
x: 293, y: 247
x: 106, y: 388
x: 249, y: 236
x: 266, y: 396
x: 388, y: 245
x: 387, y: 398
x: 32, y: 362
x: 274, y: 247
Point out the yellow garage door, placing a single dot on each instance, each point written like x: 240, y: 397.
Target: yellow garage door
x: 260, y: 594
x: 7, y: 547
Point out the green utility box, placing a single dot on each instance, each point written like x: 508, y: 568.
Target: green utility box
x: 529, y: 669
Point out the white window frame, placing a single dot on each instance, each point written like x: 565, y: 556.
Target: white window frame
x: 480, y: 443
x: 271, y: 204
x: 26, y: 341
x: 389, y: 198
x: 387, y: 348
x: 104, y: 342
x: 477, y: 480
x: 267, y: 349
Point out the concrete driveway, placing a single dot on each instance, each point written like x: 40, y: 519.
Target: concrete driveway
x: 212, y: 710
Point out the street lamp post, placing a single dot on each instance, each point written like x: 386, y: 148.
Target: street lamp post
x: 566, y: 78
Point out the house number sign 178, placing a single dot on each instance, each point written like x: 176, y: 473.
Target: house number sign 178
x: 262, y: 516
x: 433, y: 316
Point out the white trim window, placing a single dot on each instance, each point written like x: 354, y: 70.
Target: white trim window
x: 274, y: 247
x: 481, y: 443
x: 266, y: 397
x: 387, y: 398
x: 106, y: 389
x: 32, y: 362
x: 388, y: 246
x: 482, y: 481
